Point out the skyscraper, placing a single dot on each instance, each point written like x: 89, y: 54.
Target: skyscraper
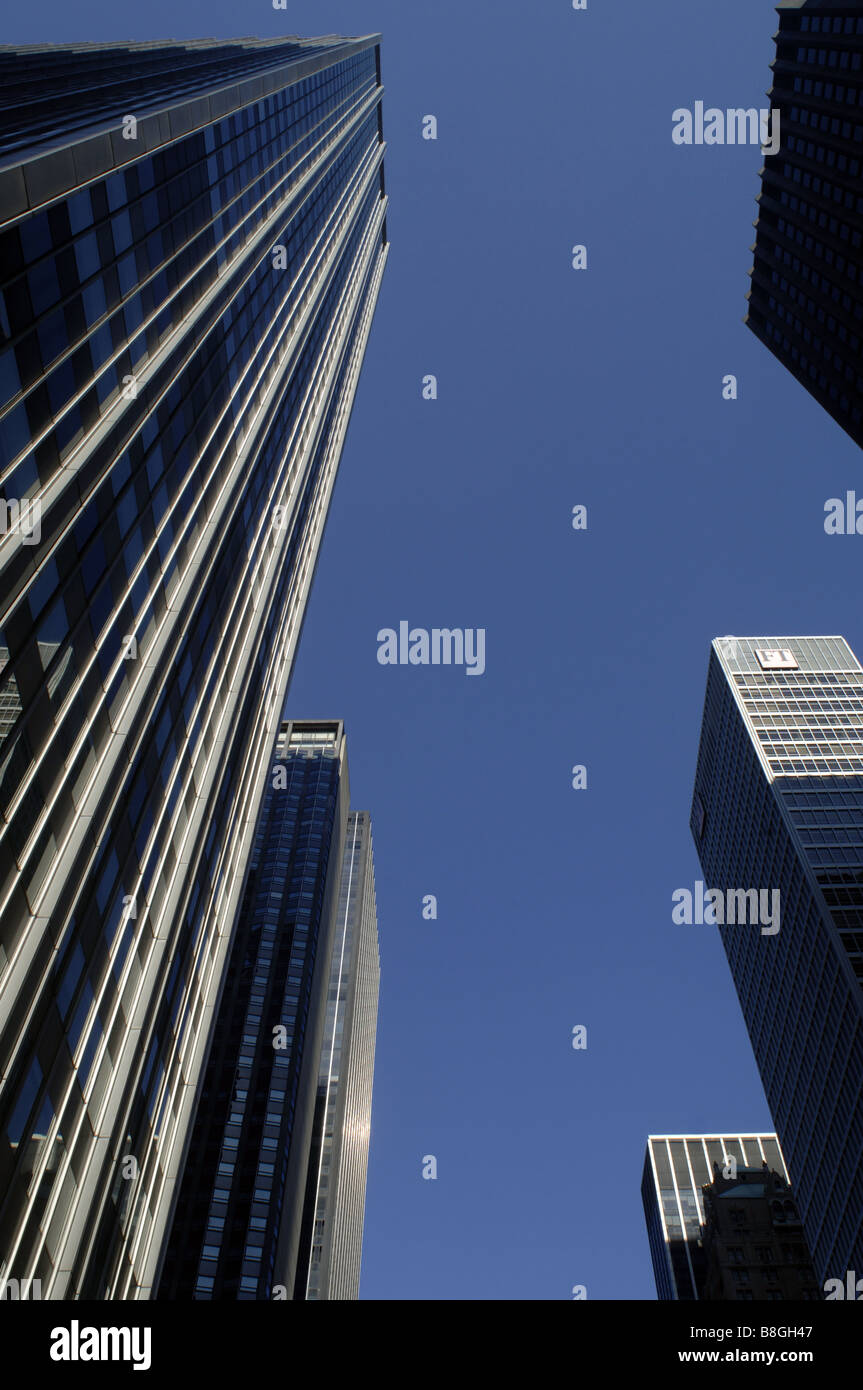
x: 778, y: 806
x: 192, y: 237
x: 676, y: 1168
x: 806, y: 296
x: 273, y: 1189
x: 331, y: 1249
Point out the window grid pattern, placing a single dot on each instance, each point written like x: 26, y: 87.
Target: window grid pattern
x: 284, y: 911
x: 805, y: 721
x: 798, y: 991
x: 804, y: 301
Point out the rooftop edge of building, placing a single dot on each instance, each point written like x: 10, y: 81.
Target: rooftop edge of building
x: 731, y: 648
x: 210, y: 41
x: 55, y: 165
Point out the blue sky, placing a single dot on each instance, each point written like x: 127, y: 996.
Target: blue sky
x: 705, y: 517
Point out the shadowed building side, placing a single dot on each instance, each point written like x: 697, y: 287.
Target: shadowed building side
x: 805, y: 301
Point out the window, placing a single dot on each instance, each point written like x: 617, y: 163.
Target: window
x: 71, y: 976
x: 19, y: 1116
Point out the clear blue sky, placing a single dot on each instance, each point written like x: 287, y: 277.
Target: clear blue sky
x: 705, y: 517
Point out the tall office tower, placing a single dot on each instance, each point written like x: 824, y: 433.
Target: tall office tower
x: 192, y: 238
x: 676, y: 1169
x: 331, y: 1249
x: 272, y: 1195
x: 752, y: 1240
x: 778, y: 808
x: 806, y: 295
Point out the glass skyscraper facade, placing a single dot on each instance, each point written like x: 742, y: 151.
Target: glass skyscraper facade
x: 806, y: 296
x: 335, y: 1202
x: 778, y: 806
x: 192, y: 237
x: 676, y: 1168
x: 272, y: 1197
